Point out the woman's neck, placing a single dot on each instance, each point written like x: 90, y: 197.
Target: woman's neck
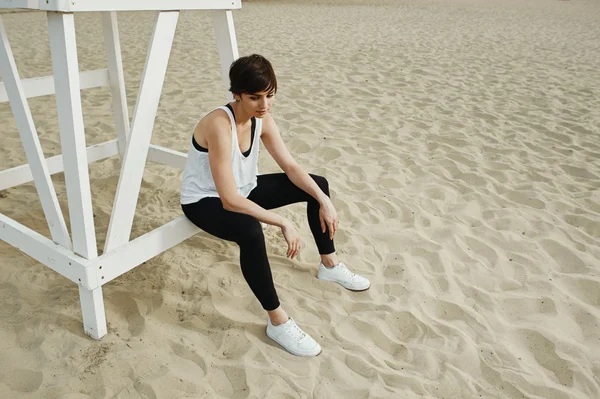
x: 241, y: 117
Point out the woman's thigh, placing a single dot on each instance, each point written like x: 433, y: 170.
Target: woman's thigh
x: 276, y: 190
x: 209, y: 215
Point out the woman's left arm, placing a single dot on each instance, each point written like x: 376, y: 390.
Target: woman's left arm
x: 274, y: 144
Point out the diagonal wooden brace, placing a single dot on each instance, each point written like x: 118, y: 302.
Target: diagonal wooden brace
x: 132, y: 168
x: 31, y: 143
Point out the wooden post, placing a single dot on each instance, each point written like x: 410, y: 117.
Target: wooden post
x: 226, y: 43
x: 61, y: 28
x: 117, y: 79
x: 31, y: 143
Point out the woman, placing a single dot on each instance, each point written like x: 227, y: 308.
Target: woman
x: 223, y: 194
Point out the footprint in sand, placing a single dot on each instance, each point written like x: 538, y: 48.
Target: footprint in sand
x: 327, y: 153
x: 579, y: 172
x: 393, y: 269
x: 433, y: 261
x: 229, y: 381
x: 472, y: 179
x: 544, y: 352
x: 125, y: 305
x: 359, y: 366
x: 585, y: 289
x: 385, y: 209
x: 526, y: 198
x: 10, y: 300
x: 299, y: 147
x: 188, y: 354
x: 482, y: 249
x: 23, y: 380
x: 408, y: 328
x: 591, y: 227
x: 355, y: 331
x: 523, y: 308
x: 566, y: 260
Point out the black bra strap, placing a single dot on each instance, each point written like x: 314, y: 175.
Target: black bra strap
x: 198, y: 147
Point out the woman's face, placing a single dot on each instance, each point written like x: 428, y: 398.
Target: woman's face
x: 257, y: 104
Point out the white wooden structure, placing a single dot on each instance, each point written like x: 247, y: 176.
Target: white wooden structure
x: 76, y: 256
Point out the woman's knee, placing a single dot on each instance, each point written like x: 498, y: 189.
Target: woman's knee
x: 321, y: 182
x: 250, y: 232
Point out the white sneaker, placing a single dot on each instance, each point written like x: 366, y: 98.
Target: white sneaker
x: 293, y: 339
x: 344, y: 277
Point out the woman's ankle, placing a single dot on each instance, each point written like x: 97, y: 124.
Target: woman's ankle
x: 278, y: 316
x: 330, y: 260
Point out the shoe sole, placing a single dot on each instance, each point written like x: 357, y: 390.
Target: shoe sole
x: 341, y: 285
x: 290, y: 352
x: 364, y: 289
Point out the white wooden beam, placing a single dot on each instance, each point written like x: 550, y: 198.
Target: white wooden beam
x: 92, y: 310
x: 132, y: 168
x: 63, y: 48
x: 20, y: 4
x: 42, y: 86
x: 226, y: 43
x: 126, y: 257
x: 22, y: 174
x: 61, y: 28
x: 117, y: 79
x: 166, y: 156
x: 31, y: 143
x: 63, y: 261
x: 137, y: 5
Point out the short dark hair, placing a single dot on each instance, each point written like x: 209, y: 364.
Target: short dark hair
x: 252, y: 74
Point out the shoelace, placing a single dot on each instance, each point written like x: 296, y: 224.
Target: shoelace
x: 346, y: 270
x: 295, y: 331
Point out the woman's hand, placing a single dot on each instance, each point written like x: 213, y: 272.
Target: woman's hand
x: 328, y: 216
x: 292, y: 238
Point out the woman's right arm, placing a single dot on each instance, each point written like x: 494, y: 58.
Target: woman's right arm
x: 219, y: 156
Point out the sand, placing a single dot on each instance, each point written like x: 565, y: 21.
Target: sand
x: 461, y: 141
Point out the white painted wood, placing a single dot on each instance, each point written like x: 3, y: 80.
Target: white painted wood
x: 166, y: 156
x: 42, y: 86
x: 137, y: 5
x: 92, y: 310
x: 226, y: 43
x: 126, y: 257
x: 132, y: 168
x: 63, y: 261
x: 117, y: 79
x: 63, y: 48
x: 22, y: 174
x: 88, y: 270
x: 31, y: 143
x: 61, y: 28
x: 35, y: 4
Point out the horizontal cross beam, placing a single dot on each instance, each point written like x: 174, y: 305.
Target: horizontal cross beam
x: 56, y: 257
x: 126, y: 257
x: 122, y: 5
x: 91, y: 274
x: 22, y: 174
x: 42, y: 86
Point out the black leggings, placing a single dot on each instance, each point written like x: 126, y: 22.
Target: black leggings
x: 273, y: 191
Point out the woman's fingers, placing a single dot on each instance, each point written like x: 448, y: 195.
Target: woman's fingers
x: 293, y: 248
x: 322, y: 223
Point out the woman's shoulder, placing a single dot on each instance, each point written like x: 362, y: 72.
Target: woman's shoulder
x: 216, y: 120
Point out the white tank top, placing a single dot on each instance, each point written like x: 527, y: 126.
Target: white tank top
x: 198, y: 182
